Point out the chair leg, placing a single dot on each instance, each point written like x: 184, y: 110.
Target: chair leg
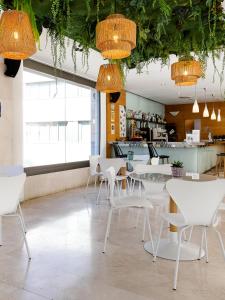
x: 24, y: 236
x: 95, y: 180
x: 201, y: 245
x: 177, y: 260
x: 22, y: 218
x: 144, y: 226
x: 1, y: 231
x: 86, y: 190
x: 221, y: 242
x: 99, y: 191
x: 149, y: 230
x: 158, y: 241
x: 206, y: 245
x: 190, y: 234
x: 107, y: 229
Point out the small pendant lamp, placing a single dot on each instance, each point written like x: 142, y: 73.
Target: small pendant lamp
x: 116, y: 36
x: 213, y: 115
x: 195, y: 108
x: 16, y: 35
x: 218, y: 116
x: 109, y: 79
x: 206, y: 111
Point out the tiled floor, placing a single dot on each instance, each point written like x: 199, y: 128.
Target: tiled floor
x: 65, y: 234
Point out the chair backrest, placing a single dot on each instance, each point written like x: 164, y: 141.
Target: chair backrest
x: 161, y: 169
x: 10, y: 190
x: 94, y: 161
x: 110, y: 174
x: 197, y: 201
x: 12, y: 170
x: 152, y: 150
x: 116, y: 163
x: 154, y: 161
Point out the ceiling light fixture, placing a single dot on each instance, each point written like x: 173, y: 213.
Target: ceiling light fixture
x: 219, y: 116
x: 109, y: 79
x: 186, y: 71
x: 213, y: 115
x: 195, y: 108
x: 16, y: 35
x: 206, y: 111
x: 116, y: 36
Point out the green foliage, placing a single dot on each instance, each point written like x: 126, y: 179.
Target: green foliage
x: 26, y: 6
x: 177, y: 164
x: 164, y: 27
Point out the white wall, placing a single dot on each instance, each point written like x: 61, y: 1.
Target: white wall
x: 136, y: 103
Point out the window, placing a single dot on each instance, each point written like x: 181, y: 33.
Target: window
x: 61, y: 120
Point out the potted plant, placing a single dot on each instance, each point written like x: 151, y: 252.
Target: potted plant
x: 177, y: 168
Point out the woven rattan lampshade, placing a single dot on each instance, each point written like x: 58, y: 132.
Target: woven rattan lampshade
x: 116, y: 36
x: 16, y: 35
x: 109, y: 79
x: 186, y: 72
x: 185, y: 80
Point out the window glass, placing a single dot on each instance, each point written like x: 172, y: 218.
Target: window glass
x: 61, y: 120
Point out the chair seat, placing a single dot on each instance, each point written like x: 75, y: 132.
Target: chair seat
x: 131, y: 201
x: 175, y: 219
x: 96, y: 173
x: 158, y: 198
x: 121, y: 177
x: 220, y: 154
x: 163, y: 156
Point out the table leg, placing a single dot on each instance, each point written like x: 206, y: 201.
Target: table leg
x: 124, y: 183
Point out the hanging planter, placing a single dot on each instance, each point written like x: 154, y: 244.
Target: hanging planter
x: 109, y: 79
x: 186, y: 72
x: 16, y: 36
x: 116, y: 37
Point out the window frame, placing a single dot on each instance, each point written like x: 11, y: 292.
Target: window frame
x: 45, y: 69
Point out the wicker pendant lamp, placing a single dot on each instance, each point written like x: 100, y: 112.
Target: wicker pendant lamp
x: 186, y: 72
x: 116, y: 36
x: 16, y: 35
x: 109, y: 79
x: 185, y: 80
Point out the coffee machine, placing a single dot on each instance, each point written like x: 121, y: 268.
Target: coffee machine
x: 159, y: 134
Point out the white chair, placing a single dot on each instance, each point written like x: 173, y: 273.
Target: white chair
x: 14, y: 170
x: 94, y: 162
x: 198, y: 203
x: 105, y: 163
x: 124, y: 202
x: 10, y: 191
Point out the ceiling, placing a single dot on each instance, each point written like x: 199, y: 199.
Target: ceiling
x: 153, y: 83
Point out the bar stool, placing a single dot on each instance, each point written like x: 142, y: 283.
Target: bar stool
x: 154, y: 153
x: 219, y: 162
x: 118, y: 152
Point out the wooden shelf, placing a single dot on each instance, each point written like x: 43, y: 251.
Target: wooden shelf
x: 141, y: 120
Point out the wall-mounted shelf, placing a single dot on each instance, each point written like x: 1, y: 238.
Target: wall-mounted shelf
x: 141, y: 120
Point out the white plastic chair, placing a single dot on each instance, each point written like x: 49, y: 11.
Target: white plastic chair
x: 10, y: 191
x: 198, y: 203
x: 124, y: 202
x: 8, y: 171
x: 94, y: 162
x: 105, y: 163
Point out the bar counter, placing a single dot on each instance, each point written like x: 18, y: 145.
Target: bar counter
x: 197, y: 157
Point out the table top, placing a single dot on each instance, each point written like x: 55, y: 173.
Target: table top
x: 158, y: 177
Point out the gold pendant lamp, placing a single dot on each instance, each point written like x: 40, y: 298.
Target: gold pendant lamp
x: 109, y: 79
x: 116, y: 36
x: 16, y: 35
x: 186, y: 72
